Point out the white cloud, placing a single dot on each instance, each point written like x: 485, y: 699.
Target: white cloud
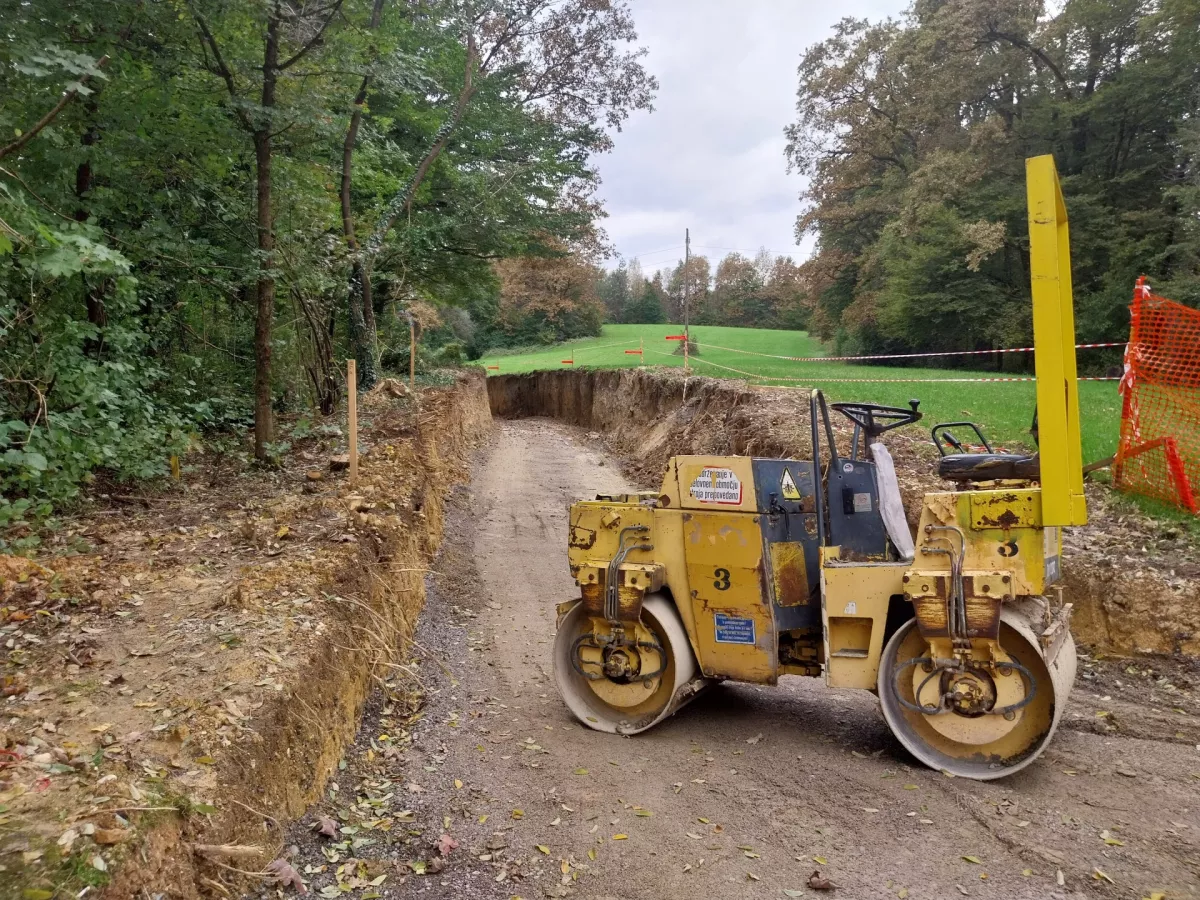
x: 710, y: 157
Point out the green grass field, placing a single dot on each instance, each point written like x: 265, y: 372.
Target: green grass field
x: 1003, y: 409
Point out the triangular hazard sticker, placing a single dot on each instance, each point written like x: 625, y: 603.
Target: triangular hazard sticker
x: 788, y: 485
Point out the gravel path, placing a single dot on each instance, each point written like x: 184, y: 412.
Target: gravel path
x: 745, y: 792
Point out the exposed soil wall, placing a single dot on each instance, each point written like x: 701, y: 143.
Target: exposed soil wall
x: 1128, y: 599
x: 375, y: 599
x: 257, y: 609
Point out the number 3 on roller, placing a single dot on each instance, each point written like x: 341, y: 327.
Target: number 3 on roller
x: 722, y: 582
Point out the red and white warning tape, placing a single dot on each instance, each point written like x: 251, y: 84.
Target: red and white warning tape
x: 812, y: 379
x: 898, y: 355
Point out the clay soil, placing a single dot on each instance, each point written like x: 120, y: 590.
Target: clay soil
x: 186, y: 670
x: 470, y: 779
x: 183, y: 663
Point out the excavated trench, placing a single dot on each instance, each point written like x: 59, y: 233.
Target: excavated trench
x: 1125, y: 602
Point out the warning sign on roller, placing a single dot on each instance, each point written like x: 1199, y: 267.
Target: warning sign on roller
x: 717, y: 486
x: 787, y: 486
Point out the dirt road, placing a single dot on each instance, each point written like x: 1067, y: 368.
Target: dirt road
x: 744, y: 793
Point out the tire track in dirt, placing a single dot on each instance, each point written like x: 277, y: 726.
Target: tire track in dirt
x: 740, y: 795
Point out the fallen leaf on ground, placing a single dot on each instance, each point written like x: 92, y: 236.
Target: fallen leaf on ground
x: 542, y: 848
x: 974, y: 859
x: 620, y: 837
x: 1101, y: 875
x: 326, y: 826
x: 285, y: 874
x: 818, y: 882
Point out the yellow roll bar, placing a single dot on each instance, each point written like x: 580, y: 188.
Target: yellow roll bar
x: 1063, y: 502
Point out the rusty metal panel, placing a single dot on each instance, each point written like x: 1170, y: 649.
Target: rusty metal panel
x: 789, y: 573
x: 1006, y: 509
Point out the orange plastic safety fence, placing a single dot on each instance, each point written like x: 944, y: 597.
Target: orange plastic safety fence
x: 1159, y: 453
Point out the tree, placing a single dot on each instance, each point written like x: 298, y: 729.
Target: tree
x: 179, y: 225
x: 690, y: 283
x: 613, y: 290
x: 290, y: 32
x: 736, y: 293
x: 913, y: 136
x: 646, y: 307
x: 560, y: 61
x: 549, y: 298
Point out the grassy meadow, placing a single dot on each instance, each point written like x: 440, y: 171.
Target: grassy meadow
x: 1002, y: 409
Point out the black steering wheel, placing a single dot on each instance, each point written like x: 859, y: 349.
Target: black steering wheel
x: 875, y: 419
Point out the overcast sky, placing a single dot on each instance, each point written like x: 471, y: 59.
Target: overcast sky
x: 710, y: 156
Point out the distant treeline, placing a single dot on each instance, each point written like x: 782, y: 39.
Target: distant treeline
x: 914, y: 134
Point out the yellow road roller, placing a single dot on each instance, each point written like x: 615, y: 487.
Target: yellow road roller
x: 748, y: 569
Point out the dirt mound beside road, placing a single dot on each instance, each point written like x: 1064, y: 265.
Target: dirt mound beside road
x: 183, y: 669
x: 1135, y: 582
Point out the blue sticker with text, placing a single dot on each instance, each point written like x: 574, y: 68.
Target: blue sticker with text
x: 732, y: 630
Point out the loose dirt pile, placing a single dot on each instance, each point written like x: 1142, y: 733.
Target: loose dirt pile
x: 1135, y: 582
x: 182, y: 669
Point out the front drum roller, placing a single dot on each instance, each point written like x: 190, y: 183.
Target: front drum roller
x: 622, y: 706
x: 987, y: 746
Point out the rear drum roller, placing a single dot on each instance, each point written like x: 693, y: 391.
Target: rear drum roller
x: 622, y: 705
x: 979, y: 745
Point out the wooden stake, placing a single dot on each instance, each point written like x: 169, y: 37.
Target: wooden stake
x: 352, y: 404
x: 412, y: 354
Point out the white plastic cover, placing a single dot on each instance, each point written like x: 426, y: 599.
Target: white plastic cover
x: 891, y: 506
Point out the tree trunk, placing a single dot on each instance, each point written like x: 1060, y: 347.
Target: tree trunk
x: 360, y: 280
x: 363, y: 333
x: 265, y: 313
x: 93, y: 294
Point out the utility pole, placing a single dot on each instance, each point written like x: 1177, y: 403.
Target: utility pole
x: 687, y: 256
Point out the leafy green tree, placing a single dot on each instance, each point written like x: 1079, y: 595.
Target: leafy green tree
x: 188, y: 189
x: 646, y: 307
x: 913, y: 135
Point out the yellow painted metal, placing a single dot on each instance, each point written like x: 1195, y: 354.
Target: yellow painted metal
x: 854, y: 610
x: 711, y: 562
x: 722, y: 483
x: 724, y: 567
x: 972, y: 730
x: 1063, y: 501
x: 1006, y: 509
x: 1003, y: 532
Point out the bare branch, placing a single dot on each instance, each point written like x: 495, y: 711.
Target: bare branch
x: 314, y: 41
